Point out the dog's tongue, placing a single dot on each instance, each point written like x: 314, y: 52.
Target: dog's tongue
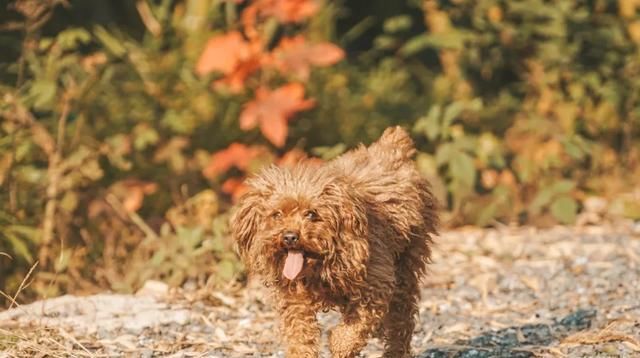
x: 293, y: 264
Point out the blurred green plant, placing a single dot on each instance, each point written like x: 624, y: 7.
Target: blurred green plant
x: 125, y: 141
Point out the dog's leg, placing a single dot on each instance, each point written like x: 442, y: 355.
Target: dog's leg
x: 399, y: 322
x: 348, y: 338
x: 359, y: 322
x: 300, y: 329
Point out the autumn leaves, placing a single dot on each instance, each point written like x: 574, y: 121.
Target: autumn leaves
x: 245, y: 63
x: 242, y: 56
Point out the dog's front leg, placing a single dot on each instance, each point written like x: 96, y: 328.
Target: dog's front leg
x: 300, y: 328
x: 348, y: 338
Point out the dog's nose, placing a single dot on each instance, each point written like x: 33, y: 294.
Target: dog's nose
x: 290, y: 238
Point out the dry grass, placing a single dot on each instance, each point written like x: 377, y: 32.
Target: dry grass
x: 616, y: 331
x: 41, y: 341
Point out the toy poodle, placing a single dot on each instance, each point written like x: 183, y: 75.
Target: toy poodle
x: 352, y: 234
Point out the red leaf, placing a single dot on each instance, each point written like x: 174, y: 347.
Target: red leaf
x: 222, y: 53
x: 290, y: 10
x: 272, y: 109
x: 285, y: 11
x: 233, y: 56
x: 234, y: 81
x: 295, y: 156
x: 234, y: 187
x: 295, y: 55
x: 236, y: 155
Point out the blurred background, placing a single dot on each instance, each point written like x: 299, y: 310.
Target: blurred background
x: 128, y: 126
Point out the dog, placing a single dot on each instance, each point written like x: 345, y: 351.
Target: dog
x: 352, y: 234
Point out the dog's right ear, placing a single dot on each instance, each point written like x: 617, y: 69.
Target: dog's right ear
x: 245, y: 221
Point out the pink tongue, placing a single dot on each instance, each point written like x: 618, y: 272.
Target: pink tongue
x: 293, y: 264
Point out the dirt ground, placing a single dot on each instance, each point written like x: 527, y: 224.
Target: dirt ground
x: 507, y: 292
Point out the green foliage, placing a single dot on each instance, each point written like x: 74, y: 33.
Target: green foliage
x: 520, y: 109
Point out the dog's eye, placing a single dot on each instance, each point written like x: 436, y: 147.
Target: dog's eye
x: 277, y: 215
x: 311, y: 215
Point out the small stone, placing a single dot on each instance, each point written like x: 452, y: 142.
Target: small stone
x: 595, y: 204
x: 146, y: 353
x: 154, y: 289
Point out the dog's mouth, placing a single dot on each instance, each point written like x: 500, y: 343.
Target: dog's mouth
x: 294, y: 262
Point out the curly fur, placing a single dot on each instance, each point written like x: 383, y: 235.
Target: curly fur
x: 366, y: 244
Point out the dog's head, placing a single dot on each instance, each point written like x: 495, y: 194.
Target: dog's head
x: 302, y: 223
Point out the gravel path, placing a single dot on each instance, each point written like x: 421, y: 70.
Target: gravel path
x: 509, y: 292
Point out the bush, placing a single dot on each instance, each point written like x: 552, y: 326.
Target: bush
x: 127, y: 128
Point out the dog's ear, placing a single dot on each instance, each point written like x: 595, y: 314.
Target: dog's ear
x: 245, y: 221
x: 346, y: 266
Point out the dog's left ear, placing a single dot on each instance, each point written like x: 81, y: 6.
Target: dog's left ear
x: 348, y: 265
x: 245, y: 221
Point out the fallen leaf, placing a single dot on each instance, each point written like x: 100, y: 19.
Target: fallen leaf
x: 295, y: 55
x: 272, y: 109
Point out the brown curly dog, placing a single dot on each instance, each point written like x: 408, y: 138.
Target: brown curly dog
x: 352, y: 235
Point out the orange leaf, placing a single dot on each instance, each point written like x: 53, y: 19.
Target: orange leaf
x: 272, y: 109
x: 132, y: 192
x: 222, y: 53
x: 290, y: 10
x: 236, y: 155
x: 295, y: 55
x: 234, y: 187
x: 285, y: 11
x: 296, y: 156
x: 233, y: 56
x: 234, y: 81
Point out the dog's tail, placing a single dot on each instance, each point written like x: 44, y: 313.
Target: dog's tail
x: 397, y: 141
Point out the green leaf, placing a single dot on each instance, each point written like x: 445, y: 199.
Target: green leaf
x: 486, y: 214
x: 144, y: 136
x: 426, y: 164
x: 112, y: 44
x: 19, y: 246
x: 226, y: 270
x: 43, y: 93
x: 384, y: 42
x: 462, y: 168
x: 562, y: 186
x: 27, y: 232
x: 92, y: 170
x: 329, y: 152
x: 451, y: 112
x: 397, y: 24
x: 450, y: 40
x: 444, y: 153
x: 430, y: 124
x: 542, y: 199
x: 158, y: 258
x: 217, y: 244
x: 62, y: 260
x: 30, y: 174
x: 69, y: 202
x: 71, y: 38
x: 190, y: 236
x: 564, y: 208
